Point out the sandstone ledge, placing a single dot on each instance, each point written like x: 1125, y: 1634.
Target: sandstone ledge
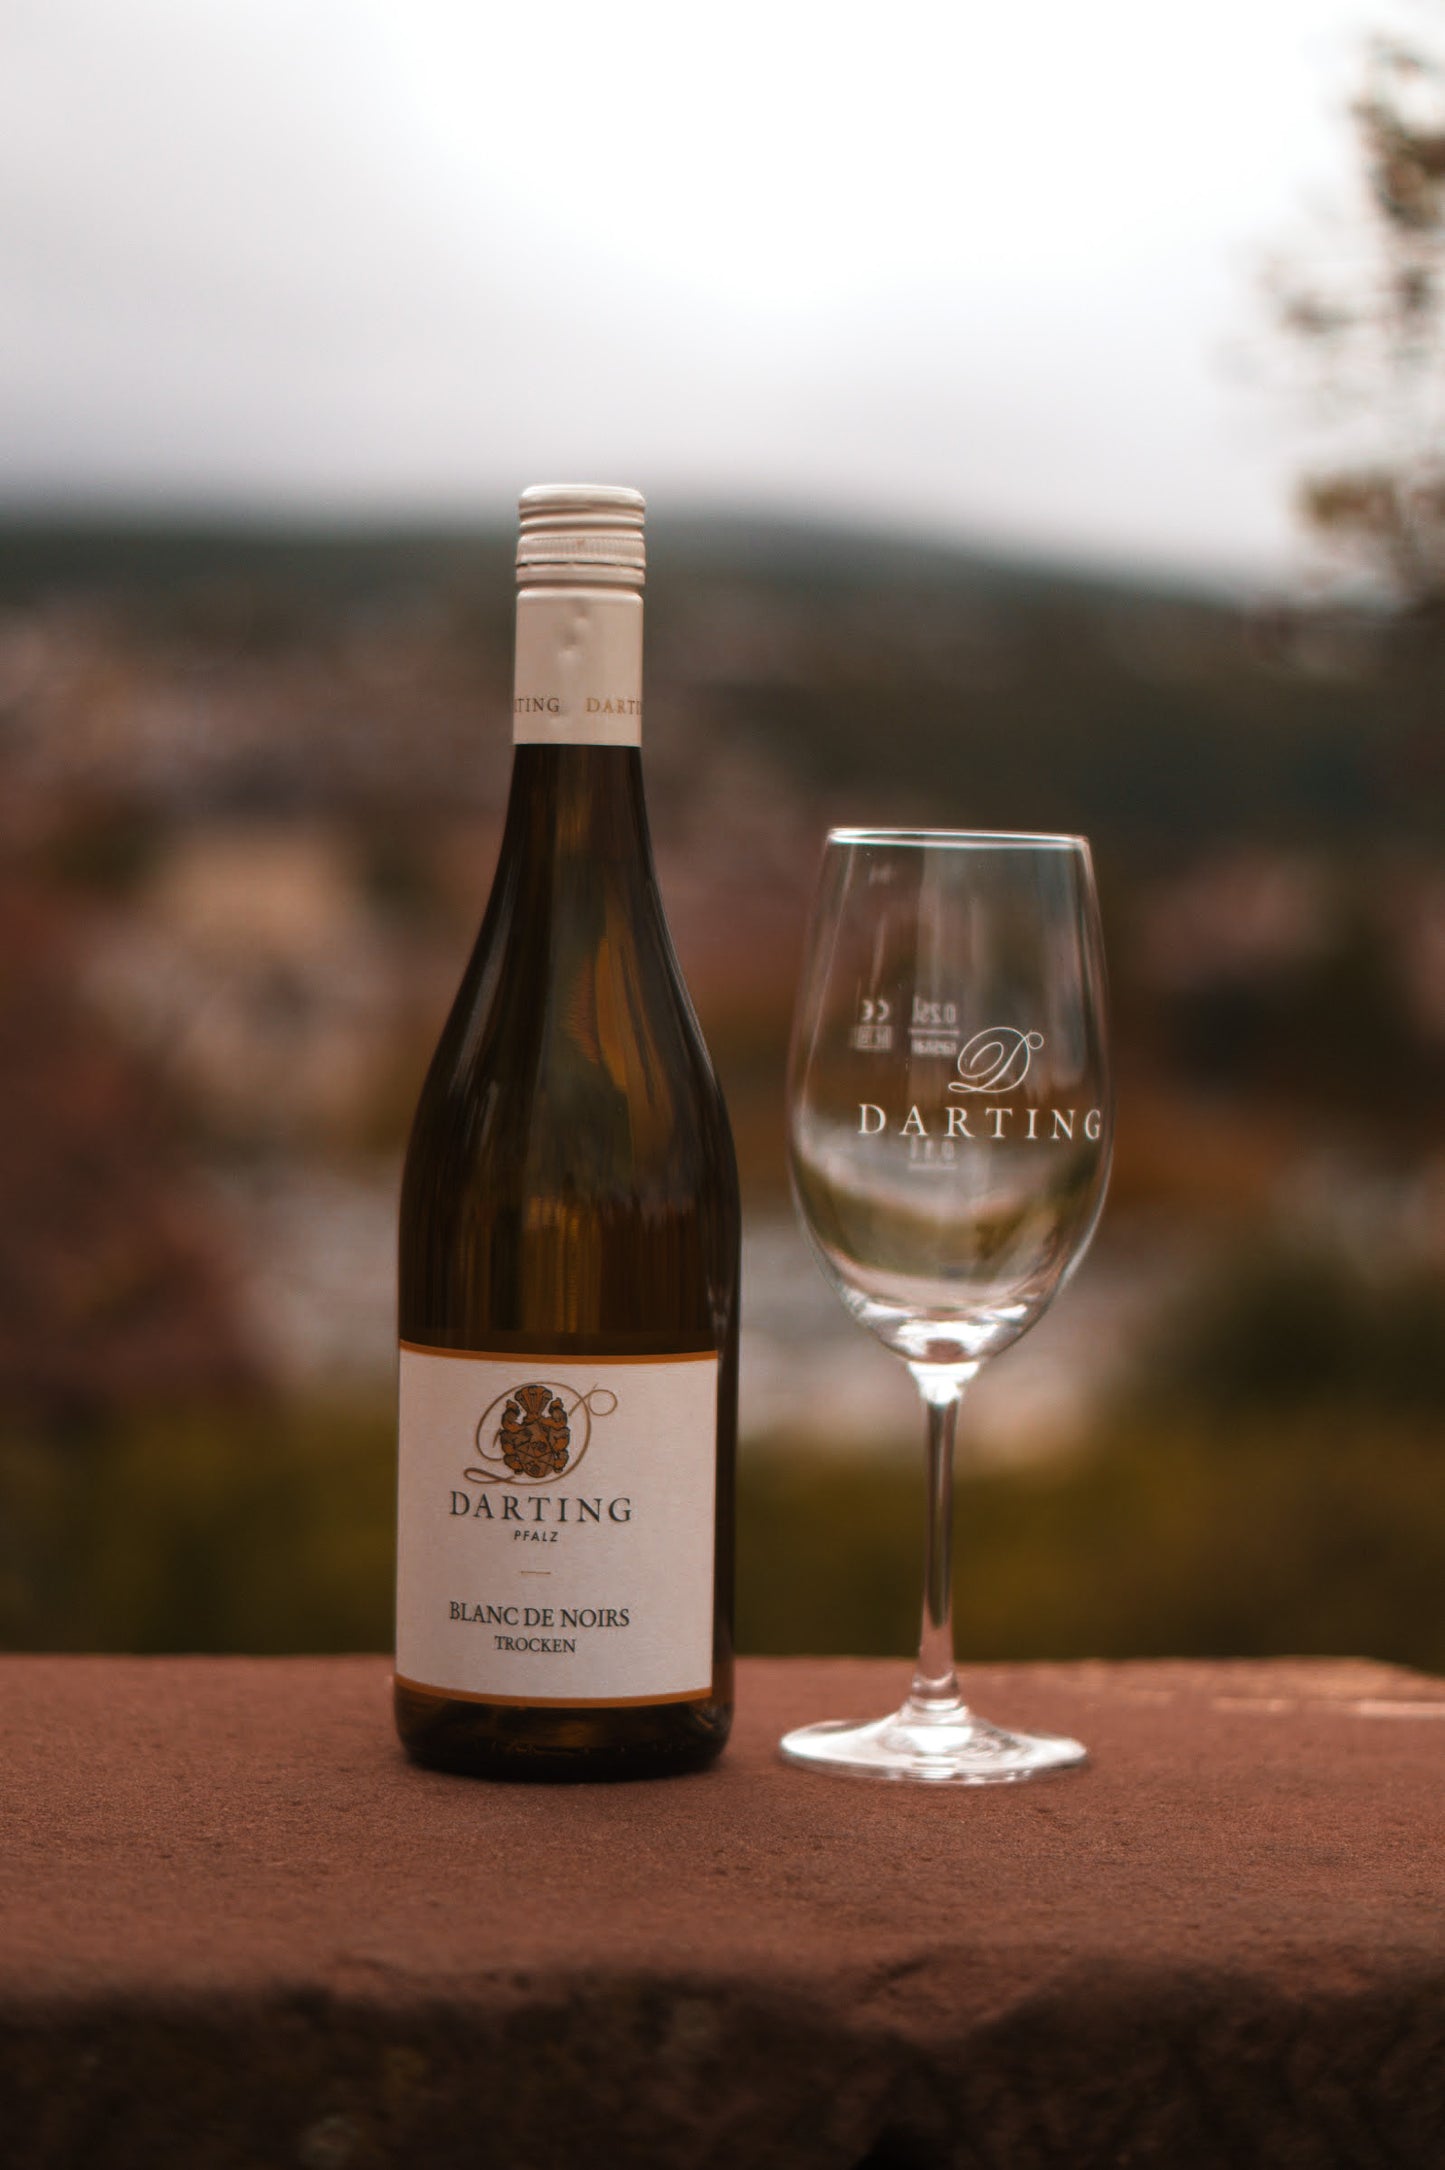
x: 238, y: 1932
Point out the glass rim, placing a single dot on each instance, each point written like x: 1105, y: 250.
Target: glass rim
x: 965, y: 839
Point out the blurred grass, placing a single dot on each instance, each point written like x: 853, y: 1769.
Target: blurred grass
x: 1297, y: 1534
x: 255, y: 1529
x: 1267, y: 1538
x: 1274, y: 1485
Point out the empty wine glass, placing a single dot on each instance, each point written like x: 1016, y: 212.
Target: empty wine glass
x: 950, y: 1122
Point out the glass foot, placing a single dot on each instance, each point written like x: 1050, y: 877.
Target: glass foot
x: 942, y: 1745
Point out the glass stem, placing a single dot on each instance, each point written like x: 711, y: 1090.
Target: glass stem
x: 935, y: 1683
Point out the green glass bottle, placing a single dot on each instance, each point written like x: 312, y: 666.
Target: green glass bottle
x: 569, y: 1252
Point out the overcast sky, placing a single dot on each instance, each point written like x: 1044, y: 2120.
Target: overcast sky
x: 975, y: 266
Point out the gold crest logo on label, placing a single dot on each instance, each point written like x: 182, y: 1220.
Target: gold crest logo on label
x: 542, y: 1433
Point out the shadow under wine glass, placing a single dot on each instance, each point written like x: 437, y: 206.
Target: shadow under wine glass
x: 950, y: 1125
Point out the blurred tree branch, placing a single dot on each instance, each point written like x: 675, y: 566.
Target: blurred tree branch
x: 1372, y: 334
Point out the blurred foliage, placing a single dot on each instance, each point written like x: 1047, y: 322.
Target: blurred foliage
x: 1374, y: 334
x: 1229, y: 1539
x: 1226, y: 1537
x: 258, y: 1529
x: 106, y: 852
x: 1280, y: 1328
x: 1274, y: 1486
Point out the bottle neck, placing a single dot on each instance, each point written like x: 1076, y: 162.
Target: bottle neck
x: 575, y: 812
x: 578, y: 678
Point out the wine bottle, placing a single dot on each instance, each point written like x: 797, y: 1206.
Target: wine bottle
x: 569, y: 1252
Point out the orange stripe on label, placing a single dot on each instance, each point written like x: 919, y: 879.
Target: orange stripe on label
x: 556, y: 1702
x: 553, y: 1356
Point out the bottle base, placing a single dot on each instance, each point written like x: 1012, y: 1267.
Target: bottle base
x: 559, y: 1746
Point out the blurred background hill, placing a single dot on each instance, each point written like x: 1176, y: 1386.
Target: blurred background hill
x: 954, y: 519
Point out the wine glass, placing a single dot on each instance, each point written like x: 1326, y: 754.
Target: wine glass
x: 950, y: 1123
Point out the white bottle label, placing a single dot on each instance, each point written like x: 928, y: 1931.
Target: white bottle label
x: 578, y: 678
x: 555, y: 1526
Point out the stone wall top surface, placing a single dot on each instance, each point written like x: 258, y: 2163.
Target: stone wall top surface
x: 1247, y: 1881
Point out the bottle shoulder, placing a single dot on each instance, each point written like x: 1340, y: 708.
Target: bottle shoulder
x: 572, y: 1056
